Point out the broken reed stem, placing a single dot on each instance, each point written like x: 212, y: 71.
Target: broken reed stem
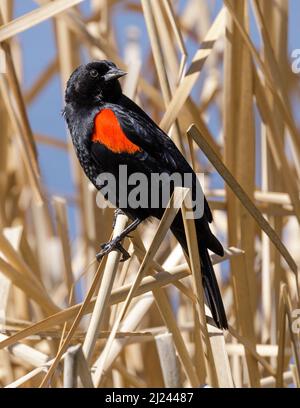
x: 168, y: 360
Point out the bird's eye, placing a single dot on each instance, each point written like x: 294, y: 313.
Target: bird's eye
x: 94, y: 73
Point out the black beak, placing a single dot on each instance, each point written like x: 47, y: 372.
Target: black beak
x: 114, y: 73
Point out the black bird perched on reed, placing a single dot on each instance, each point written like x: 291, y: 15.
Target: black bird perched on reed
x: 109, y: 130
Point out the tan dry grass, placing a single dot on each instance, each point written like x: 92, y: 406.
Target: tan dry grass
x: 132, y: 312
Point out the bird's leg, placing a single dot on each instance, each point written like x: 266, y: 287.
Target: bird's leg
x: 115, y: 243
x: 117, y: 212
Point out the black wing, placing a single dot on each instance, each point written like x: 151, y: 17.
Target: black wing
x: 144, y: 132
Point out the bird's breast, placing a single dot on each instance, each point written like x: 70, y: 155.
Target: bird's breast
x: 107, y: 131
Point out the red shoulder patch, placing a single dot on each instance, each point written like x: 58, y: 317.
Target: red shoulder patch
x: 108, y: 131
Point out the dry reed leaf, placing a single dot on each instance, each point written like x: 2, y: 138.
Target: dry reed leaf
x: 193, y: 71
x: 118, y: 295
x: 35, y: 17
x: 243, y: 197
x: 75, y: 324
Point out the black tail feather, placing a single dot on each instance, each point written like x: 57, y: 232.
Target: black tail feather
x: 210, y: 284
x: 212, y: 291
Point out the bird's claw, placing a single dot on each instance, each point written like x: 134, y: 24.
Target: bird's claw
x: 112, y: 245
x: 125, y: 254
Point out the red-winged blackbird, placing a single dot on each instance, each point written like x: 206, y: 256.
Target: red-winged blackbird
x: 108, y: 130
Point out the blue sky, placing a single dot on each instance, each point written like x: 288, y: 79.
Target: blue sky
x: 38, y: 48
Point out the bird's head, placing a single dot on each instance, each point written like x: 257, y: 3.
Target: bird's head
x: 94, y: 82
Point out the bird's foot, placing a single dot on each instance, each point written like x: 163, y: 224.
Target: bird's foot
x: 117, y: 212
x: 113, y: 245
